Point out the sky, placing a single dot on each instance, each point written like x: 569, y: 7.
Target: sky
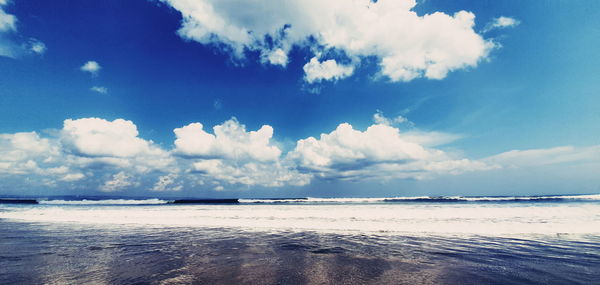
x: 339, y: 98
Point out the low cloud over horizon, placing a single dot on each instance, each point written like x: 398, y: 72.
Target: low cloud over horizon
x: 109, y: 156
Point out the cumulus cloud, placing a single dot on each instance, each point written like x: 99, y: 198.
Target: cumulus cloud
x: 94, y: 153
x: 406, y: 45
x: 110, y: 156
x: 236, y: 156
x: 83, y: 151
x: 230, y: 140
x: 93, y: 143
x: 99, y: 89
x: 275, y: 57
x: 316, y: 71
x: 414, y: 135
x: 346, y: 145
x: 379, y: 151
x: 97, y: 137
x: 21, y: 153
x: 501, y: 23
x: 92, y: 67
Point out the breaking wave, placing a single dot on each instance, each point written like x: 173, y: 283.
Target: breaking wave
x: 431, y: 199
x: 105, y: 202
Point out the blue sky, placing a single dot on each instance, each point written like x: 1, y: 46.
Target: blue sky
x: 427, y: 98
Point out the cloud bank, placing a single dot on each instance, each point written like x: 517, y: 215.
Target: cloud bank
x: 110, y: 156
x: 406, y: 45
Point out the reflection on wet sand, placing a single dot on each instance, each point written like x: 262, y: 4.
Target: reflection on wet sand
x: 70, y: 253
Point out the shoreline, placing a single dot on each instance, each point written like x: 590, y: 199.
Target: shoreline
x: 117, y: 255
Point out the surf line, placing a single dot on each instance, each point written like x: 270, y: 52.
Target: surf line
x: 206, y: 201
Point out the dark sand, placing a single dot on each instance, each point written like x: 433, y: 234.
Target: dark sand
x: 77, y: 254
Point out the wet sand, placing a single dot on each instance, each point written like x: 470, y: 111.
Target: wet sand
x: 35, y: 253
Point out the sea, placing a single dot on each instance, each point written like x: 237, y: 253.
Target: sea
x: 394, y: 240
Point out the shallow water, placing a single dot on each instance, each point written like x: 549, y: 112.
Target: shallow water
x: 333, y: 243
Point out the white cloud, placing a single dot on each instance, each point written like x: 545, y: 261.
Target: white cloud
x: 99, y: 137
x: 95, y: 142
x: 272, y: 174
x: 8, y: 26
x: 406, y: 45
x: 167, y: 183
x: 275, y: 57
x: 316, y: 71
x: 380, y: 151
x: 27, y: 142
x: 84, y: 151
x: 37, y: 46
x: 8, y: 22
x: 99, y: 89
x: 345, y: 145
x: 70, y: 177
x: 424, y: 138
x: 501, y: 23
x: 119, y: 181
x: 20, y: 153
x: 10, y: 43
x: 93, y: 153
x: 546, y: 156
x: 92, y: 67
x: 230, y: 140
x: 379, y: 118
x: 236, y: 156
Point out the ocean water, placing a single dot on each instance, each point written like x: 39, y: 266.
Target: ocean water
x: 400, y: 240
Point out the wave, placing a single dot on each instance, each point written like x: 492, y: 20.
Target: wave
x: 313, y: 200
x: 518, y: 198
x: 106, y: 202
x: 430, y: 199
x: 383, y: 218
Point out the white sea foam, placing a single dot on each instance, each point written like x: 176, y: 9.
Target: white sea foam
x: 105, y: 202
x: 423, y: 198
x: 531, y: 198
x: 582, y: 197
x: 325, y: 200
x: 442, y: 218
